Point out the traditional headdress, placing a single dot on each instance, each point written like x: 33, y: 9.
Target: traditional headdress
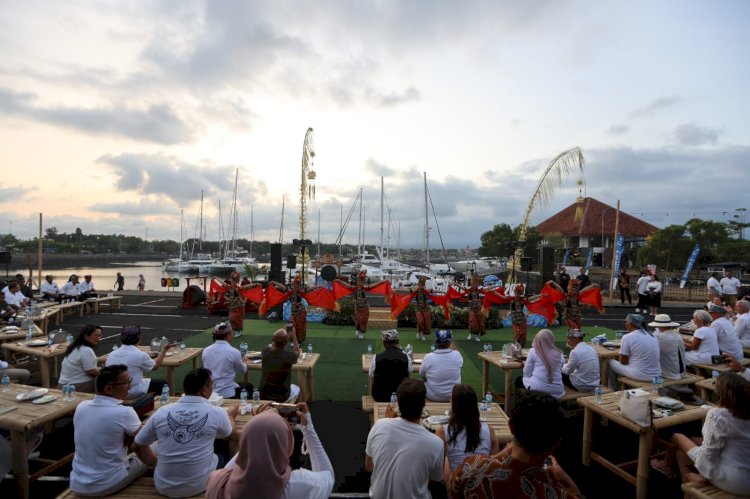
x: 573, y: 284
x: 422, y: 279
x: 519, y: 289
x: 390, y: 335
x: 362, y: 275
x: 297, y: 279
x: 221, y: 329
x: 234, y: 276
x: 443, y: 336
x: 130, y: 333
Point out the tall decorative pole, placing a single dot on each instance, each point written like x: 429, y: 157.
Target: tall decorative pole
x: 307, y: 191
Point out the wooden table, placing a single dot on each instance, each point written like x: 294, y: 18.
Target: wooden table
x: 609, y: 409
x: 305, y: 369
x: 29, y: 417
x: 110, y: 301
x: 496, y: 358
x: 495, y: 417
x: 43, y: 318
x: 63, y: 308
x: 176, y: 359
x: 707, y: 388
x: 47, y: 357
x: 604, y: 355
x: 20, y: 335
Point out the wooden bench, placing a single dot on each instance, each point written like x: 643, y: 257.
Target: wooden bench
x: 707, y: 369
x: 571, y: 394
x: 368, y: 407
x: 687, y: 379
x: 143, y: 488
x: 704, y: 490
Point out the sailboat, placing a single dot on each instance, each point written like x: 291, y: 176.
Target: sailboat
x: 235, y: 257
x: 180, y: 264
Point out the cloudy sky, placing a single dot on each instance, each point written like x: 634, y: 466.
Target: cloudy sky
x: 115, y: 115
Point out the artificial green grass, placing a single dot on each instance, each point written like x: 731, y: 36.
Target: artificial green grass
x: 338, y: 373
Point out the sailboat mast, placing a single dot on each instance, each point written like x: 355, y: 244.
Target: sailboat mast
x: 281, y: 227
x: 252, y: 230
x: 361, y: 230
x: 318, y: 255
x: 382, y: 195
x: 426, y: 224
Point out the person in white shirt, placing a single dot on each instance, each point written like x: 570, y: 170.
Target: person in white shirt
x: 48, y: 290
x: 185, y: 432
x: 653, y: 289
x: 728, y: 341
x: 86, y: 288
x: 16, y: 375
x: 138, y: 361
x: 70, y: 290
x: 713, y: 286
x: 581, y: 372
x: 742, y: 322
x: 225, y: 362
x: 735, y: 366
x: 104, y: 430
x: 730, y: 288
x: 441, y: 369
x: 542, y: 370
x: 639, y: 353
x: 671, y: 348
x: 641, y: 287
x: 704, y: 343
x: 13, y: 296
x: 79, y: 365
x: 401, y: 454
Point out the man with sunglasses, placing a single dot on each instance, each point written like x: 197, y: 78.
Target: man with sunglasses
x: 225, y: 362
x: 104, y: 430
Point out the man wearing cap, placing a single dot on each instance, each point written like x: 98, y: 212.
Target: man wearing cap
x: 581, y: 372
x: 704, y: 343
x: 138, y: 361
x: 742, y: 322
x: 441, y: 369
x: 276, y: 363
x: 725, y: 335
x: 730, y: 288
x: 224, y: 361
x: 48, y: 290
x: 639, y: 353
x: 671, y: 348
x: 389, y: 367
x: 70, y: 290
x: 86, y: 287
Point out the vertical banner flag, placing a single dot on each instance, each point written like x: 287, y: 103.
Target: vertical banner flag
x: 618, y: 256
x: 689, y: 266
x: 565, y: 258
x: 588, y: 260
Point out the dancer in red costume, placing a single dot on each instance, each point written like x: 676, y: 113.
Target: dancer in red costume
x: 539, y: 304
x: 361, y: 307
x: 315, y: 295
x: 572, y: 300
x: 421, y: 298
x: 475, y: 297
x: 236, y: 296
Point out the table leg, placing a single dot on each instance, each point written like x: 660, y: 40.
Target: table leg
x: 508, y: 388
x: 20, y: 463
x: 644, y: 451
x: 44, y: 368
x: 588, y: 426
x: 604, y: 369
x: 170, y: 380
x: 310, y: 386
x: 485, y: 375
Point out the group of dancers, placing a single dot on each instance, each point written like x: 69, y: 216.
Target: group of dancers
x: 480, y: 299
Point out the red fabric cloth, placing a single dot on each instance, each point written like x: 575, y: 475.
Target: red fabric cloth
x: 554, y: 294
x: 592, y: 296
x: 542, y: 306
x: 340, y: 290
x: 399, y: 302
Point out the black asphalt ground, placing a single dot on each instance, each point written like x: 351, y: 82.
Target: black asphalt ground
x: 342, y: 426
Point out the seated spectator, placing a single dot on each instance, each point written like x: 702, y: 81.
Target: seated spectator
x: 138, y: 361
x: 441, y: 369
x: 724, y: 329
x: 6, y: 311
x: 49, y: 291
x: 389, y: 367
x: 465, y: 435
x: 722, y: 454
x: 13, y: 296
x: 704, y: 343
x: 186, y: 431
x: 536, y: 423
x: 639, y: 353
x: 104, y: 430
x: 24, y: 287
x: 79, y: 365
x: 735, y: 366
x: 581, y: 372
x: 401, y: 454
x: 671, y: 348
x: 86, y: 288
x: 224, y: 361
x: 71, y: 289
x: 261, y: 467
x: 542, y: 370
x: 742, y: 322
x: 276, y: 364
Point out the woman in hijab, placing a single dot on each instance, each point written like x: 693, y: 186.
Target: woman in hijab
x: 261, y: 467
x: 542, y: 370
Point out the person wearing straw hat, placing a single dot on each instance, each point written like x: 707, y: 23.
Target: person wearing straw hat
x: 671, y: 348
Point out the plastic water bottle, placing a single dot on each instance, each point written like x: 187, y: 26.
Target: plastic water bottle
x: 66, y: 393
x: 394, y: 401
x: 68, y: 339
x: 71, y: 393
x: 164, y: 398
x: 243, y: 351
x: 598, y: 394
x: 488, y: 401
x: 243, y: 398
x: 714, y: 375
x: 182, y: 346
x: 656, y: 384
x: 256, y: 395
x: 489, y: 347
x: 6, y: 383
x: 309, y: 348
x: 114, y: 347
x: 409, y: 349
x: 369, y: 350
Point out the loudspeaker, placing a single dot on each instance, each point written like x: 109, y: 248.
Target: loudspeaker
x: 5, y: 257
x: 276, y: 257
x: 526, y: 263
x: 291, y: 261
x: 547, y: 262
x: 277, y: 275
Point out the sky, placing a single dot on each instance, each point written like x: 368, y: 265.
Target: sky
x: 115, y: 115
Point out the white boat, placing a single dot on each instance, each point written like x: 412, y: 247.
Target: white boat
x: 235, y: 257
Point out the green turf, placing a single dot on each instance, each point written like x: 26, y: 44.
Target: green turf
x: 338, y: 373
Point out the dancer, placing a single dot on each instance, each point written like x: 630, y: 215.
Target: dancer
x: 236, y: 296
x: 590, y: 295
x: 361, y: 307
x: 475, y: 298
x: 315, y: 295
x: 421, y: 297
x: 539, y: 304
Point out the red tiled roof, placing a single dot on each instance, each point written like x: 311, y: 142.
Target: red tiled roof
x: 563, y: 222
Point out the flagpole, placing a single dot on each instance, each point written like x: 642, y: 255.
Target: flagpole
x: 614, y: 248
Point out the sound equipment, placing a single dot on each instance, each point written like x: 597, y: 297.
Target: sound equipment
x: 276, y: 257
x: 5, y: 257
x: 526, y: 263
x: 547, y: 262
x: 291, y: 261
x: 277, y: 275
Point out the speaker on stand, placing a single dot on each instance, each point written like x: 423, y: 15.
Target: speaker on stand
x: 547, y: 263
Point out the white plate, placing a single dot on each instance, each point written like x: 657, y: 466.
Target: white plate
x: 169, y: 354
x: 44, y: 400
x: 37, y: 343
x: 91, y: 299
x: 10, y: 329
x: 437, y: 420
x: 612, y: 344
x: 32, y: 394
x: 416, y: 361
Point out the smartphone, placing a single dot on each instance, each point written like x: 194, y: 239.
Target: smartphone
x: 547, y: 463
x: 287, y: 411
x: 717, y: 359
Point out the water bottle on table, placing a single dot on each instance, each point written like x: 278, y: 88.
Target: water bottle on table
x: 488, y: 401
x: 309, y: 349
x: 164, y: 398
x: 598, y: 394
x: 369, y: 350
x: 657, y: 383
x: 71, y: 393
x: 714, y: 375
x: 394, y: 401
x: 68, y: 338
x: 256, y: 396
x: 243, y: 398
x: 6, y: 383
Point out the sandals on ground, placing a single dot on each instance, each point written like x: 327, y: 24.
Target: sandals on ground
x: 660, y: 465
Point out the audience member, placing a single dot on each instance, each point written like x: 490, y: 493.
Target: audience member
x: 24, y: 287
x: 276, y: 363
x: 261, y: 467
x: 542, y: 370
x: 224, y: 361
x: 138, y: 361
x: 639, y: 353
x: 465, y: 434
x: 7, y: 312
x: 583, y: 278
x: 441, y: 369
x: 389, y: 367
x: 581, y: 372
x: 79, y: 365
x: 185, y: 432
x: 86, y: 288
x: 519, y: 471
x: 742, y: 322
x: 401, y: 454
x: 48, y: 290
x: 623, y: 282
x: 13, y: 296
x: 730, y: 288
x: 671, y: 348
x: 704, y: 343
x: 103, y: 432
x: 70, y: 290
x: 725, y: 335
x: 735, y: 366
